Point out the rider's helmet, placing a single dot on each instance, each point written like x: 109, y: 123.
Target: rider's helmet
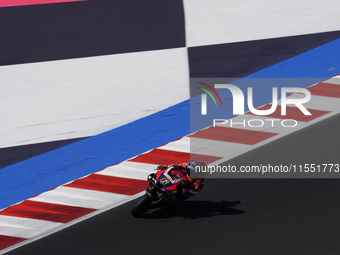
x: 192, y: 164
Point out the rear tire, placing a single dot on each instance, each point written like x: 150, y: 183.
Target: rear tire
x: 142, y: 206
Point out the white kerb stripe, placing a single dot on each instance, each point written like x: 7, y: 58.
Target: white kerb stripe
x: 79, y: 197
x: 203, y: 146
x: 23, y: 227
x: 335, y: 80
x: 182, y: 145
x: 127, y: 169
x: 214, y: 147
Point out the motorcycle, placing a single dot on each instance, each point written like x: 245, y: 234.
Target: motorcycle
x: 164, y: 188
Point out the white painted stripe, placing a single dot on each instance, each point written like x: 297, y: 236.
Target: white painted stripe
x: 79, y: 197
x: 182, y: 145
x: 118, y: 96
x: 221, y: 21
x: 128, y: 169
x: 334, y: 80
x: 203, y: 146
x: 215, y: 148
x: 23, y: 227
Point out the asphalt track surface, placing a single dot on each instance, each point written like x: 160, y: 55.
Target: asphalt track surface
x: 230, y: 216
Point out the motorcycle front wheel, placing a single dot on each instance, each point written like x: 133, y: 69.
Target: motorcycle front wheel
x: 142, y: 206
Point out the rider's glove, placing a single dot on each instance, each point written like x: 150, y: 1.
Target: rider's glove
x: 184, y: 193
x: 161, y: 167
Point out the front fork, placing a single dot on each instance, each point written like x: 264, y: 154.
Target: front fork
x: 160, y: 197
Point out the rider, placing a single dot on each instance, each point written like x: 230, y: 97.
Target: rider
x: 189, y: 186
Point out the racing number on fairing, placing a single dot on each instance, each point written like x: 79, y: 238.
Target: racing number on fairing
x: 164, y: 181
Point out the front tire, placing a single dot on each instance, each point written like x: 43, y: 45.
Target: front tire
x: 142, y: 206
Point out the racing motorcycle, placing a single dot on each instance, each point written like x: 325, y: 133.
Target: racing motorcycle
x: 164, y: 188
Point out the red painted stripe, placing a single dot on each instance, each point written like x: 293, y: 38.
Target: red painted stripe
x: 6, y: 241
x: 234, y: 135
x: 110, y: 184
x: 8, y: 3
x: 166, y: 157
x: 293, y: 113
x: 46, y: 211
x: 325, y: 89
